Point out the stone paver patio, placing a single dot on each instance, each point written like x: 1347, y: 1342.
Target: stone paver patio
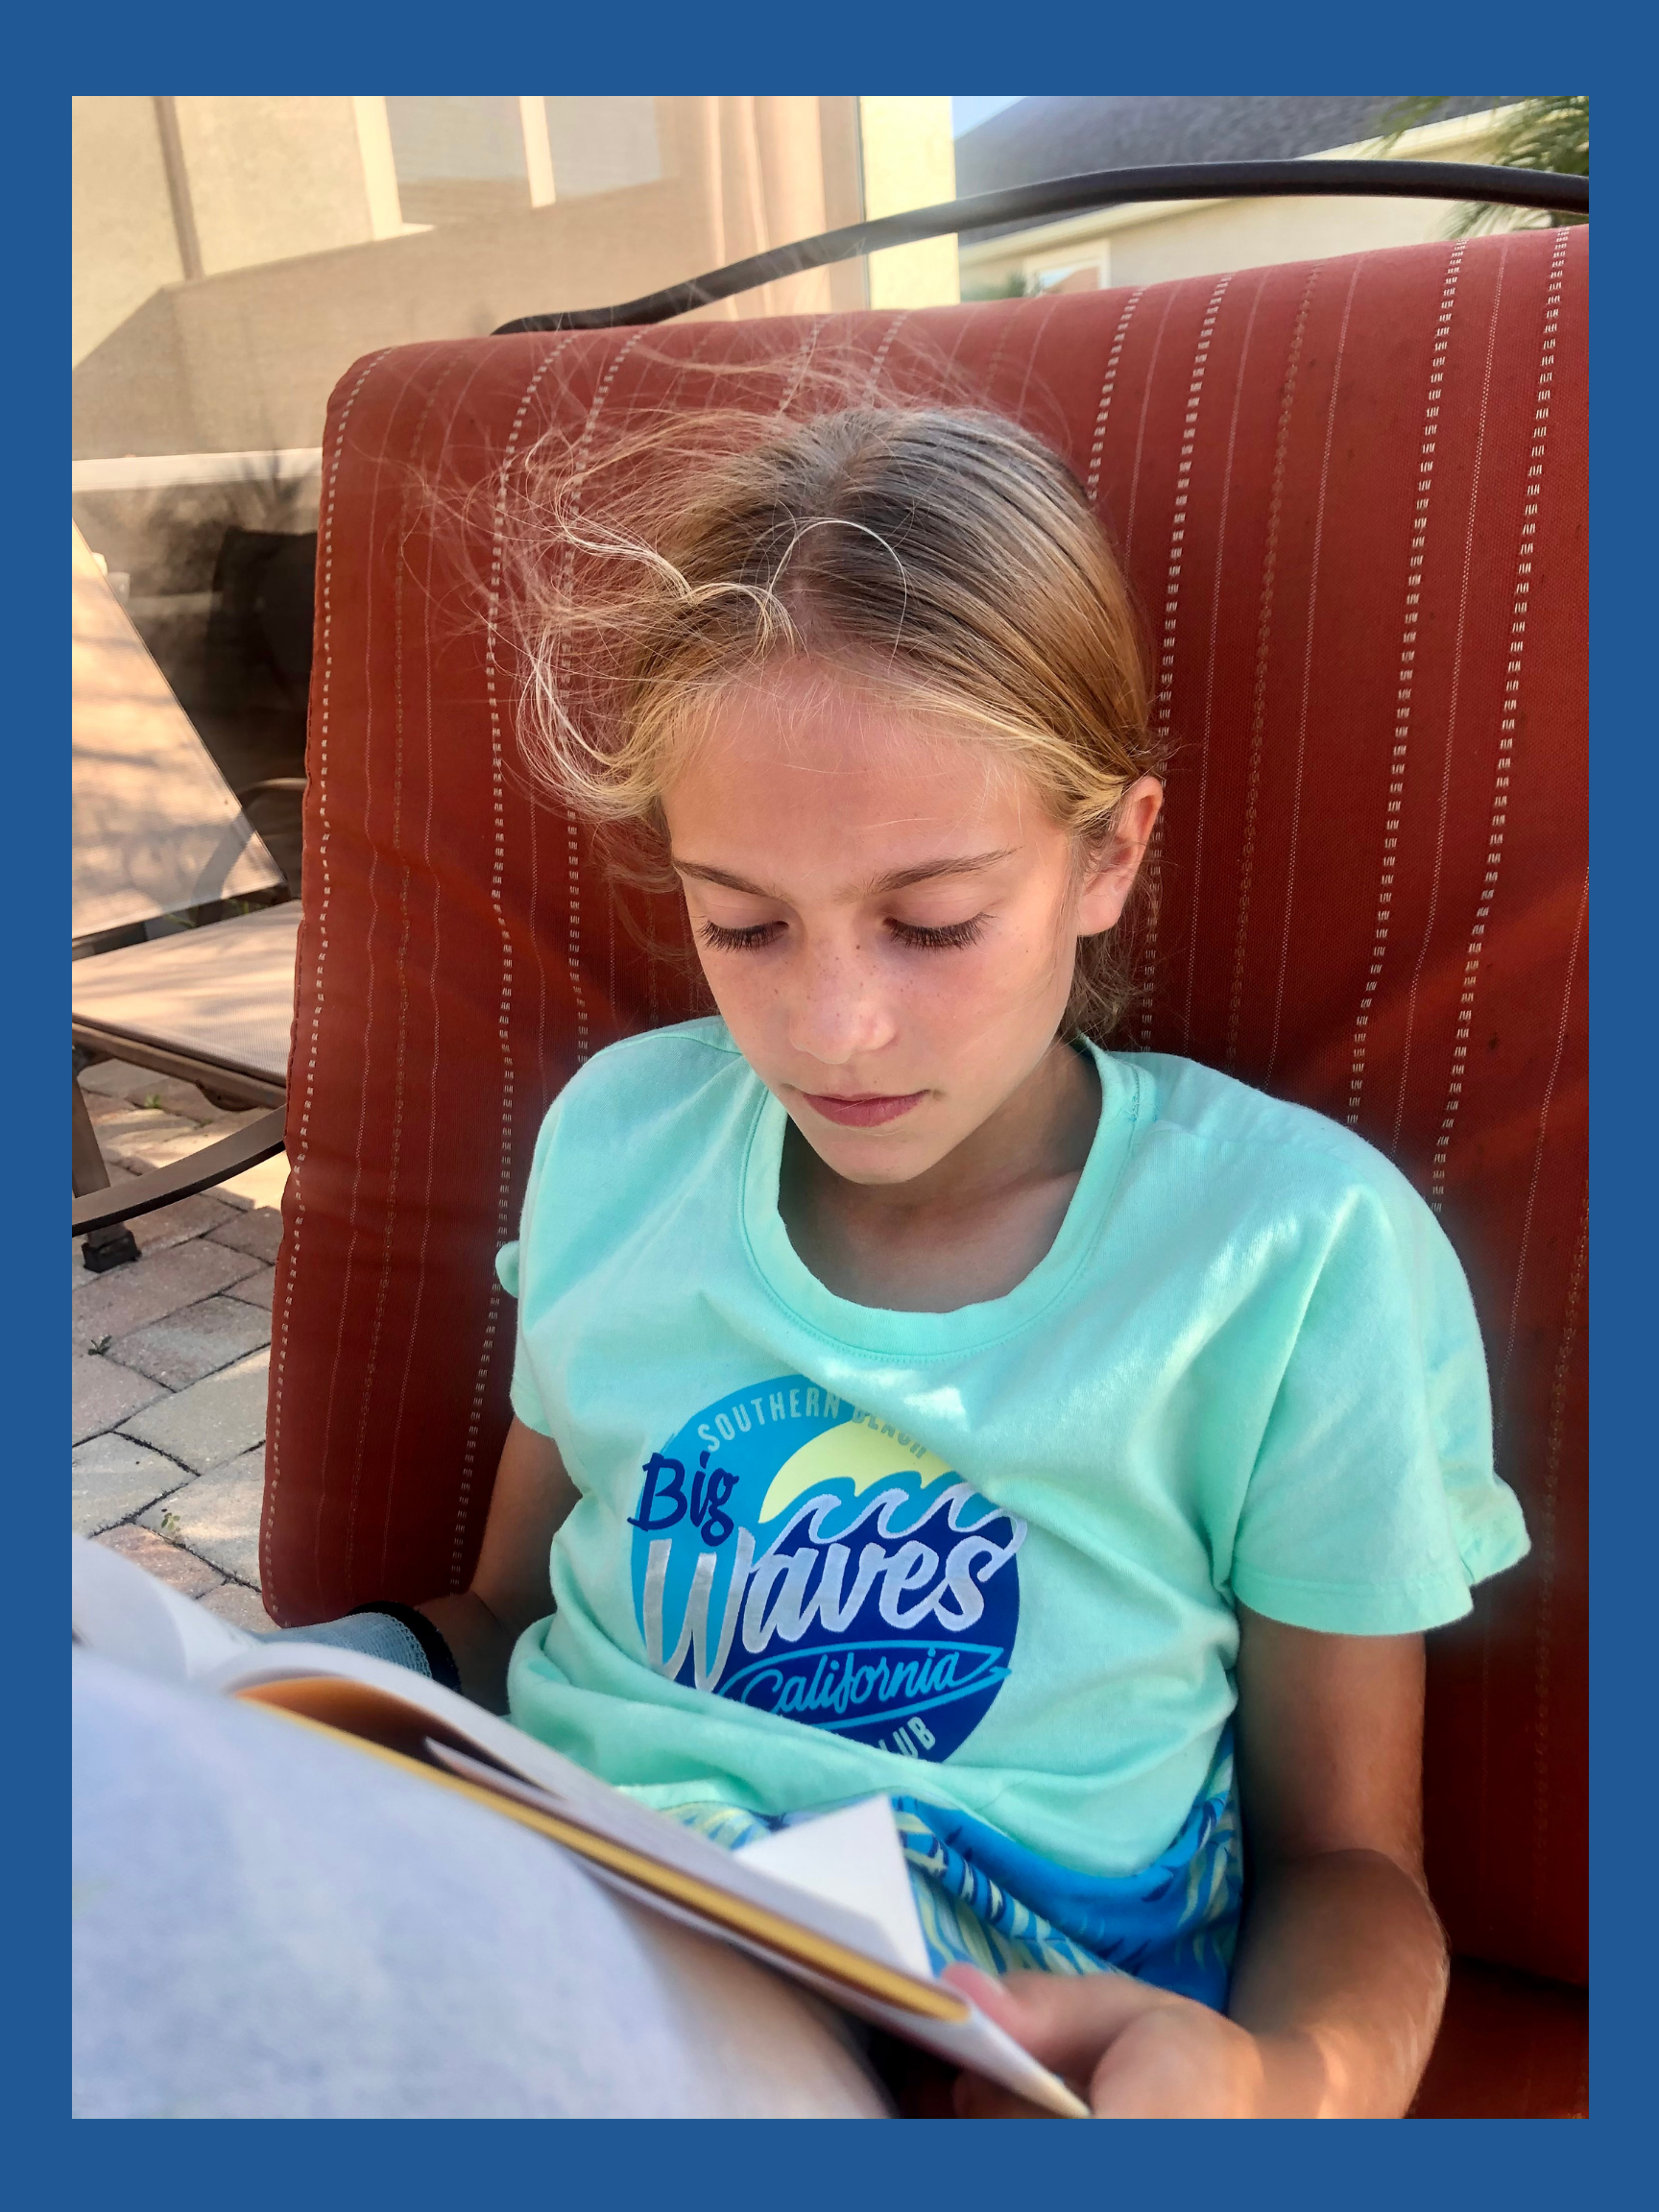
x: 170, y: 1354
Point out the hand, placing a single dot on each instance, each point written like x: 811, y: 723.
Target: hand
x: 1135, y: 2053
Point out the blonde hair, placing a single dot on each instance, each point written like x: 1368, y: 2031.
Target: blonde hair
x: 945, y: 556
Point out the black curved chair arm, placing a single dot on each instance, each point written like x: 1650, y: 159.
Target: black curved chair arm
x: 217, y: 1163
x: 1086, y: 194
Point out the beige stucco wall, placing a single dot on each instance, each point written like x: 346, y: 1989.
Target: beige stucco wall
x: 245, y: 358
x: 910, y: 161
x: 271, y: 178
x: 122, y: 234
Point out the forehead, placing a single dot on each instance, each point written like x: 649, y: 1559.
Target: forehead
x: 805, y: 753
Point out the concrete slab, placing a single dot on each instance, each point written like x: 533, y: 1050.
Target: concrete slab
x: 212, y: 1422
x: 126, y: 1298
x: 102, y: 1394
x: 112, y: 1478
x: 191, y: 1578
x: 217, y: 1517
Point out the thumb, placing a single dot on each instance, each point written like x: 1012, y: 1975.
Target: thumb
x: 1066, y: 2021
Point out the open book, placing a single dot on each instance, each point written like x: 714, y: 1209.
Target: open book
x: 826, y: 1900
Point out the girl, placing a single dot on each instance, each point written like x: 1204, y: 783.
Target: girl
x: 912, y: 1395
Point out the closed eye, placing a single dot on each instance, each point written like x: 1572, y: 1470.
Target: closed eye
x: 750, y: 940
x: 951, y: 936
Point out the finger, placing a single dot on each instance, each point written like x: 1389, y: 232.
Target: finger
x: 1064, y: 2020
x: 1166, y: 2068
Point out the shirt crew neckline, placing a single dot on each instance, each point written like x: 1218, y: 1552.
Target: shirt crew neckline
x: 909, y: 1334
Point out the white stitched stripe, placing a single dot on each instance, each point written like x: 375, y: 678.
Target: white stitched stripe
x: 1403, y: 683
x: 1308, y: 674
x: 1425, y: 937
x: 1210, y: 676
x: 1508, y: 715
x: 1108, y: 381
x: 1258, y: 696
x: 298, y: 1157
x: 1164, y: 698
x: 497, y: 866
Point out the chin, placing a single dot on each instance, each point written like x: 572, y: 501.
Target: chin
x: 861, y: 1161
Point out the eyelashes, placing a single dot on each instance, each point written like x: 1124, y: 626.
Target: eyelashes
x: 950, y: 938
x: 953, y: 934
x: 721, y: 940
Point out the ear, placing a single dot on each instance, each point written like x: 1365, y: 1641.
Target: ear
x: 1111, y: 876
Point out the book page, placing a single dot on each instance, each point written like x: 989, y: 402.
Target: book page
x: 121, y: 1612
x: 853, y: 1857
x: 803, y: 1877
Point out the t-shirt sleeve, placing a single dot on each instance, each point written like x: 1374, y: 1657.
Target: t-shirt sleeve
x: 515, y: 1272
x: 1373, y: 1504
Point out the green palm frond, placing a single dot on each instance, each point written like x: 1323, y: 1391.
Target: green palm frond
x: 1549, y: 133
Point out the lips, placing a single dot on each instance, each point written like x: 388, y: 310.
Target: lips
x: 863, y: 1112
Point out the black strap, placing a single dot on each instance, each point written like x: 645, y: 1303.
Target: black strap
x: 439, y: 1659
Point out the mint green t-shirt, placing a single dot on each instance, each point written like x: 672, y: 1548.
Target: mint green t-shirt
x: 989, y: 1557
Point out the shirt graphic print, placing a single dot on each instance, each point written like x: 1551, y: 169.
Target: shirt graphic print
x: 806, y: 1559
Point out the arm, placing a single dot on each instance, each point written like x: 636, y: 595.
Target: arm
x: 1340, y: 1974
x: 510, y: 1590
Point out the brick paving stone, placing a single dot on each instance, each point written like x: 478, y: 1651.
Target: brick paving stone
x: 259, y: 1186
x: 178, y: 1223
x: 177, y: 1096
x: 174, y: 1224
x: 190, y: 1577
x: 258, y: 1232
x: 217, y: 1517
x: 117, y: 1080
x: 133, y: 1133
x: 104, y: 1394
x: 197, y: 1340
x: 113, y: 1478
x: 169, y: 1138
x: 234, y: 1602
x: 126, y: 1298
x: 102, y: 1108
x: 215, y: 1420
x: 256, y: 1288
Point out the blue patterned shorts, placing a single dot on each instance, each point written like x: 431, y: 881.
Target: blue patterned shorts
x: 988, y: 1901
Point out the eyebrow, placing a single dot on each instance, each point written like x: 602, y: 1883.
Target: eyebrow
x: 898, y: 880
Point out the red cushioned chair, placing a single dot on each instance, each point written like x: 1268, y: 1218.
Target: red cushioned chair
x: 1350, y: 495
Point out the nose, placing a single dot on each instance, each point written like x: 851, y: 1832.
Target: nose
x: 839, y: 1009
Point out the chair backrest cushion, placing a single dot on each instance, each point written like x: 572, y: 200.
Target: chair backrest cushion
x: 1350, y: 499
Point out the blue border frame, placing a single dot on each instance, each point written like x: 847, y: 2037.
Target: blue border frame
x: 1302, y: 45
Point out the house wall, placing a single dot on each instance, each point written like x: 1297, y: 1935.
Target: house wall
x: 910, y: 161
x: 308, y: 262
x: 1200, y: 238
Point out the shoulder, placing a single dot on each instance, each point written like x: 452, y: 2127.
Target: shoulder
x: 683, y: 1057
x: 657, y: 1081
x: 1213, y: 1130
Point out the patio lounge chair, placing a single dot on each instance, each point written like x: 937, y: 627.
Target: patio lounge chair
x: 158, y: 834
x: 1350, y: 495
